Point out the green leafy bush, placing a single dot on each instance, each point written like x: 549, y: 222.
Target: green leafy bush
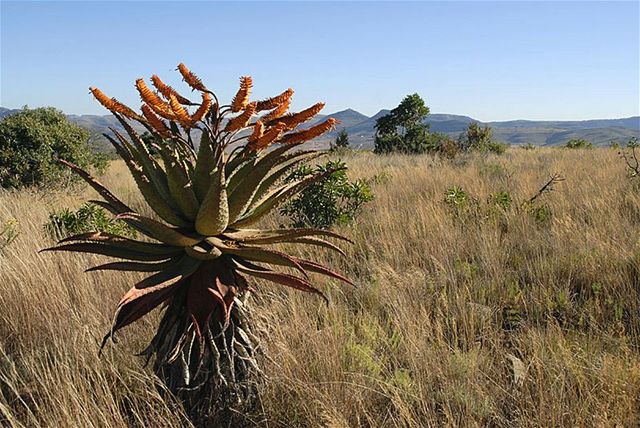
x: 479, y: 139
x: 332, y: 201
x: 8, y: 233
x: 88, y: 218
x: 32, y: 140
x: 578, y: 143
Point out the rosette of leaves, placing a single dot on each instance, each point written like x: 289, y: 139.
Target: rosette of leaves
x: 203, y: 243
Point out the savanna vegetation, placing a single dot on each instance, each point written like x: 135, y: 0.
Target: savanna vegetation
x: 481, y: 298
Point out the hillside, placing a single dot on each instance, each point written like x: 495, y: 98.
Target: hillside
x: 361, y: 128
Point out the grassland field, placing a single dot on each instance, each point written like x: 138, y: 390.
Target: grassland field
x: 465, y: 314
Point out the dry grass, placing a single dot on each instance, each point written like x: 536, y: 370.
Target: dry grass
x: 443, y: 308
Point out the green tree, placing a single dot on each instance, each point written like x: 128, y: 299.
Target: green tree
x: 32, y: 140
x: 403, y: 129
x: 341, y: 142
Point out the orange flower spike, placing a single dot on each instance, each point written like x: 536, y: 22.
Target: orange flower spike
x: 295, y: 119
x: 269, y: 137
x: 167, y: 90
x: 191, y: 79
x: 258, y: 130
x: 241, y: 98
x: 273, y: 102
x: 279, y: 111
x: 147, y: 95
x: 181, y: 114
x: 155, y: 122
x: 203, y: 109
x: 113, y: 105
x: 241, y: 120
x: 311, y: 133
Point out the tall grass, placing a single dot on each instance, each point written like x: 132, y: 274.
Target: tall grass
x: 477, y: 320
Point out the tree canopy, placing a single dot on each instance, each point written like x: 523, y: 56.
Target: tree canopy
x: 403, y: 129
x: 32, y: 140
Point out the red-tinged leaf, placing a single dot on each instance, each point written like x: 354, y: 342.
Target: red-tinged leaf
x: 137, y: 303
x: 258, y: 236
x: 264, y: 255
x: 283, y: 279
x: 122, y: 242
x: 312, y: 240
x: 318, y: 268
x: 134, y: 266
x: 110, y: 250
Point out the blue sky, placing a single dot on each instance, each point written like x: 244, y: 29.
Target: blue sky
x: 488, y: 60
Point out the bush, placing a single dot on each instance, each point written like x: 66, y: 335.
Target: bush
x: 479, y: 139
x: 578, y: 143
x: 88, y: 218
x: 32, y: 140
x: 332, y: 201
x: 8, y: 233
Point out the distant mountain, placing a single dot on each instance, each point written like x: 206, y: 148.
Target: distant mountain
x: 361, y: 128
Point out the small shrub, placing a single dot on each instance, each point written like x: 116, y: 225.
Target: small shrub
x: 528, y: 146
x: 88, y: 218
x: 332, y: 201
x: 501, y: 200
x: 578, y: 143
x: 542, y: 214
x: 8, y: 233
x: 479, y: 139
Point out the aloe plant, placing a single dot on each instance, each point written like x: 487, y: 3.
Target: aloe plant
x: 204, y: 244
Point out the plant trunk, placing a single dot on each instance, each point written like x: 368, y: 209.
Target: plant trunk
x: 215, y: 374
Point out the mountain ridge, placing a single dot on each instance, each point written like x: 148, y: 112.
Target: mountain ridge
x: 361, y: 128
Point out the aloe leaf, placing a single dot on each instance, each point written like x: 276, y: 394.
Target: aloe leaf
x: 103, y: 191
x: 323, y: 270
x: 281, y: 278
x: 213, y: 215
x: 120, y: 241
x: 105, y: 249
x: 179, y: 185
x: 293, y: 160
x: 274, y: 236
x: 248, y: 182
x: 136, y: 303
x: 205, y: 164
x: 184, y: 268
x: 199, y: 253
x: 277, y: 197
x: 134, y: 266
x: 265, y: 256
x: 317, y: 242
x: 159, y: 231
x: 141, y: 156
